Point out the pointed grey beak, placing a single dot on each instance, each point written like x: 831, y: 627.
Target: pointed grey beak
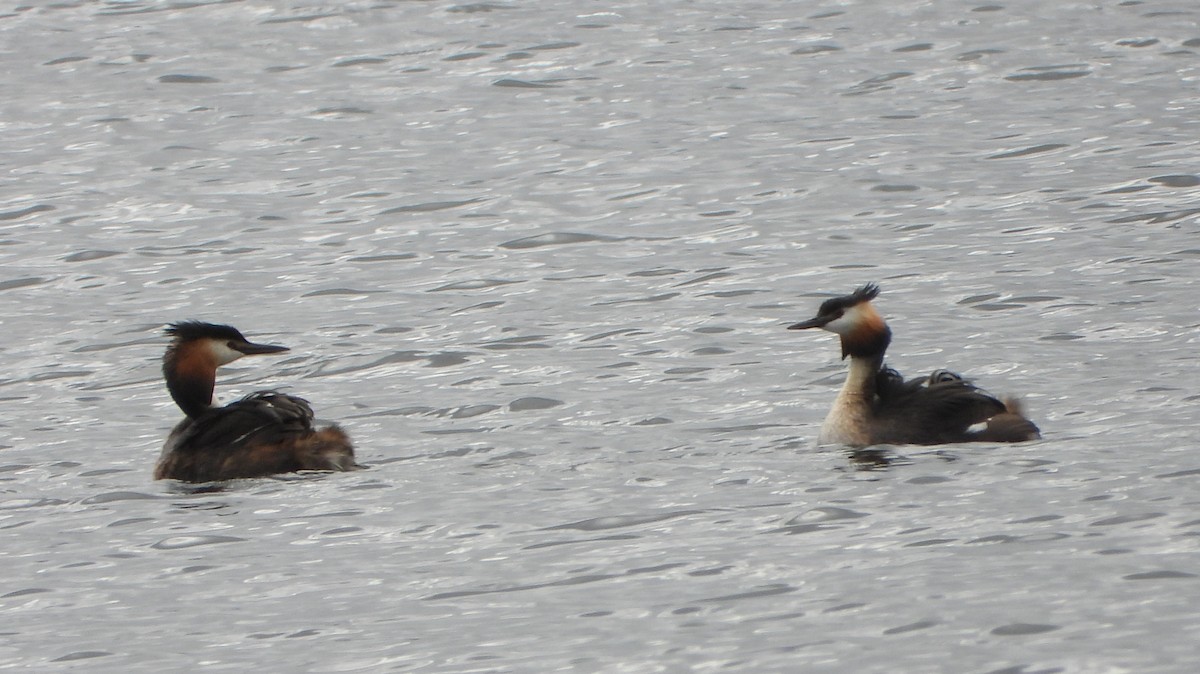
x: 817, y: 322
x: 250, y: 349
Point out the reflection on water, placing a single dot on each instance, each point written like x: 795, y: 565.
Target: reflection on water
x: 870, y: 458
x: 540, y: 262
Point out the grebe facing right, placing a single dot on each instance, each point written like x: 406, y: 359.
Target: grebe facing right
x: 877, y: 406
x: 262, y: 434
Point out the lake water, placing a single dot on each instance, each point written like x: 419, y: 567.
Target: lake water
x: 538, y: 258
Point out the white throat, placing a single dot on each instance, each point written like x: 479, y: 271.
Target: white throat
x: 848, y: 422
x: 221, y: 351
x: 850, y: 320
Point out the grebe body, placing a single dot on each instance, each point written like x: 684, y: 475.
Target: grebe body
x: 876, y: 405
x: 264, y: 433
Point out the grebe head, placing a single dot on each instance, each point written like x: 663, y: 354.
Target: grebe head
x: 853, y: 318
x: 197, y: 350
x: 222, y: 342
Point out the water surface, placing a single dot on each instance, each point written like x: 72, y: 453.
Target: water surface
x: 538, y: 258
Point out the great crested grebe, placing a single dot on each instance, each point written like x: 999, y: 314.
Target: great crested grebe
x: 262, y: 434
x: 877, y: 406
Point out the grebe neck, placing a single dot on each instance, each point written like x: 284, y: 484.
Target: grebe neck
x: 860, y: 380
x: 849, y: 420
x: 191, y: 374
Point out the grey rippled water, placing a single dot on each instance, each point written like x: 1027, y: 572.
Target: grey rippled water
x: 538, y: 257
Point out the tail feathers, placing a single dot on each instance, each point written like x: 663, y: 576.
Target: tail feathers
x: 327, y: 449
x: 1009, y: 426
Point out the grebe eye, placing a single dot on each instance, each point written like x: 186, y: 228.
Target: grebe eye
x: 943, y: 376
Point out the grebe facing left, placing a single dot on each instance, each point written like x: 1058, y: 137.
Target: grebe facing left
x: 262, y: 434
x: 877, y: 406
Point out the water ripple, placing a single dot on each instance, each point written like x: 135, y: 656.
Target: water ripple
x: 620, y: 521
x: 555, y: 239
x: 184, y: 542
